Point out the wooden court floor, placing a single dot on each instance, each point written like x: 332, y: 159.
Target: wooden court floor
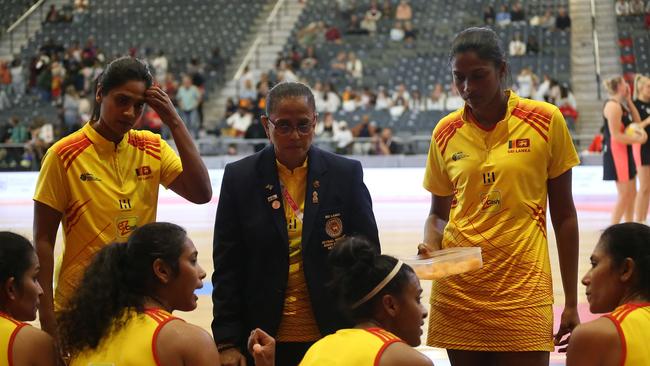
x: 400, y: 206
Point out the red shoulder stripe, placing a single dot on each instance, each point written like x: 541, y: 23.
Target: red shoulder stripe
x: 10, y: 350
x: 76, y: 153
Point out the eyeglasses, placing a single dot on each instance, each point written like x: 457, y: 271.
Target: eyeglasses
x: 285, y: 128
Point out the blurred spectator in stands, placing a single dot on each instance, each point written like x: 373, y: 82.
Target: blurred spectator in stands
x: 216, y: 65
x: 399, y: 105
x: 327, y: 127
x: 568, y: 107
x: 354, y: 26
x: 285, y: 74
x: 371, y: 17
x: 310, y: 60
x: 525, y: 82
x: 196, y: 70
x: 403, y: 12
x: 503, y: 16
x: 85, y: 108
x: 364, y: 129
x: 417, y: 103
x: 260, y: 102
x: 453, y: 101
x: 368, y: 98
x: 532, y: 46
x: 541, y: 91
x: 256, y: 131
x: 58, y: 75
x: 397, y: 32
x: 410, y: 34
x: 338, y: 66
x: 546, y: 21
x: 170, y: 86
x: 89, y: 52
x: 383, y: 101
x: 239, y: 122
x: 344, y: 139
x: 42, y: 137
x: 436, y: 99
x: 387, y: 9
x: 312, y: 33
x: 51, y: 48
x: 18, y: 83
x: 80, y: 9
x: 188, y: 97
x: 348, y: 99
x: 150, y: 121
x: 489, y: 15
x: 331, y: 101
x: 52, y: 15
x: 345, y: 8
x: 44, y: 78
x: 71, y: 118
x: 562, y: 20
x: 401, y: 92
x: 160, y: 66
x: 354, y: 66
x: 517, y: 14
x: 637, y: 7
x: 517, y: 46
x: 295, y: 58
x: 15, y: 133
x: 622, y: 7
x: 384, y: 143
x: 647, y: 16
x: 248, y: 91
x: 231, y: 108
x: 332, y: 34
x: 554, y: 92
x: 5, y: 85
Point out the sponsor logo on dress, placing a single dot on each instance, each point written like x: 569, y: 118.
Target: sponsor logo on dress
x: 126, y: 225
x: 89, y: 177
x: 518, y: 145
x: 458, y: 155
x: 491, y: 201
x: 125, y: 204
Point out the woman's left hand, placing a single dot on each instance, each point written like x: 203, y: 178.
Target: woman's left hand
x: 568, y: 321
x: 157, y: 99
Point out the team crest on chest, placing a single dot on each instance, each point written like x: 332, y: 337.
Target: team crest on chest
x: 519, y: 145
x: 333, y: 225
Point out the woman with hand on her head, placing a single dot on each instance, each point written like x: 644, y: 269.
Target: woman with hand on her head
x: 618, y: 161
x: 121, y: 313
x: 102, y: 181
x: 20, y: 343
x: 642, y: 155
x: 381, y: 296
x: 492, y: 166
x: 618, y: 283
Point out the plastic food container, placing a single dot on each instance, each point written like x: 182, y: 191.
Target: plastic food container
x: 446, y: 262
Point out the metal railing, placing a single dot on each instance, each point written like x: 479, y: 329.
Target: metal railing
x: 23, y: 21
x: 272, y: 22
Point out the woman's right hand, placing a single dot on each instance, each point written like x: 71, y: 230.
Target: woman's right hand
x: 232, y: 357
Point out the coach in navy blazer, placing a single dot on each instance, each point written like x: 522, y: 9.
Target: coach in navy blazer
x: 251, y: 253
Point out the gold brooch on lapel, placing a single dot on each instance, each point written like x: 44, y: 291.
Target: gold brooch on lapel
x: 269, y: 187
x: 314, y: 198
x: 275, y: 204
x: 316, y: 184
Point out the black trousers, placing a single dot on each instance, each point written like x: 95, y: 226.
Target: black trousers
x: 290, y: 353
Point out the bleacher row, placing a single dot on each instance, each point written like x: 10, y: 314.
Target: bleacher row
x: 389, y: 63
x: 11, y: 11
x: 634, y: 43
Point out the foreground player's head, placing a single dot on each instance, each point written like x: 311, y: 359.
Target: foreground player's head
x: 19, y: 267
x: 620, y: 268
x: 120, y: 93
x: 371, y: 287
x: 289, y: 121
x: 479, y: 66
x: 157, y: 266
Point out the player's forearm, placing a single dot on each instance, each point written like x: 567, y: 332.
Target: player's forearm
x: 195, y: 175
x: 566, y: 232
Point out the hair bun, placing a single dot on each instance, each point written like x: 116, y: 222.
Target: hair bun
x: 352, y: 252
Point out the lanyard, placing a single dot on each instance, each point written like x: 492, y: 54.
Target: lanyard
x: 294, y: 207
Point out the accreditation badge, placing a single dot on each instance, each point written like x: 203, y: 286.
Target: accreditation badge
x: 334, y: 226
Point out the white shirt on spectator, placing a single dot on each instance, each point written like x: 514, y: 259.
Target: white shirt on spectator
x: 240, y: 122
x: 525, y: 83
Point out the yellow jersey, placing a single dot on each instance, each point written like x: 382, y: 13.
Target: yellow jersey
x: 350, y: 347
x: 633, y: 324
x: 9, y: 328
x: 103, y: 191
x: 498, y: 182
x: 298, y: 323
x: 132, y: 345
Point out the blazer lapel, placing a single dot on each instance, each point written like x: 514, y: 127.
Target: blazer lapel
x: 271, y: 193
x: 315, y: 180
